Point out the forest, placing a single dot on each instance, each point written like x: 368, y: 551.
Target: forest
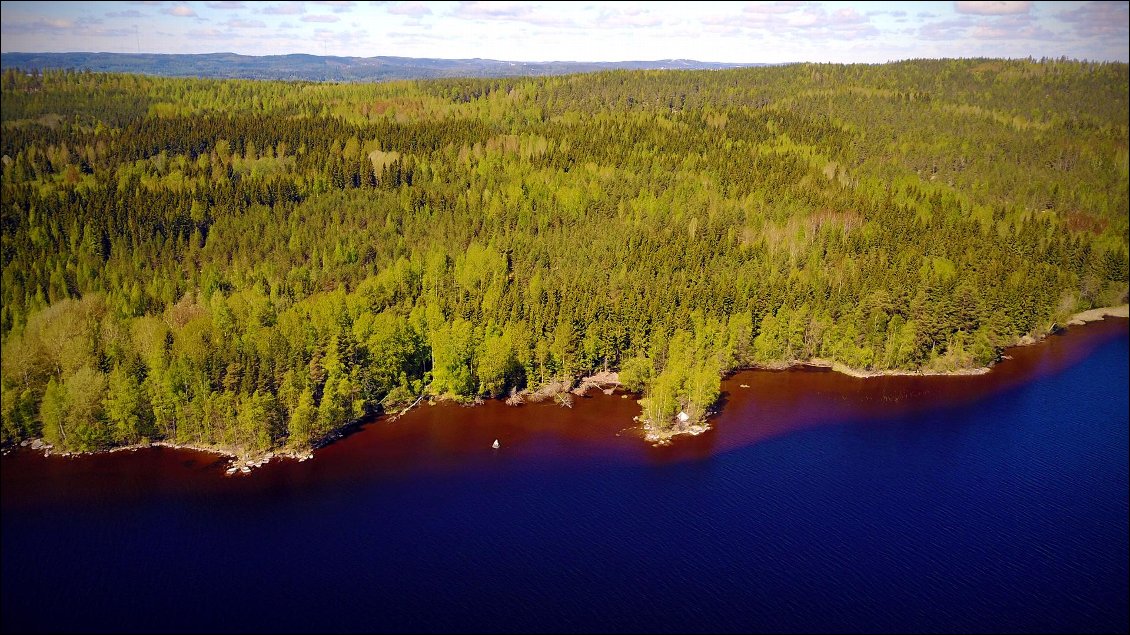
x: 252, y: 265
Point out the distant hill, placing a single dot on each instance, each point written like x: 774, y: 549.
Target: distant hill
x: 324, y: 68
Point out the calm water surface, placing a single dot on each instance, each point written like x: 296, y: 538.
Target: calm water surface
x: 818, y: 502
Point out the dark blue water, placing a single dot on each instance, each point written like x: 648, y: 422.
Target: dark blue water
x: 1005, y: 514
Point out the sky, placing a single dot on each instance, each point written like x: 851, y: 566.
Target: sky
x: 749, y: 32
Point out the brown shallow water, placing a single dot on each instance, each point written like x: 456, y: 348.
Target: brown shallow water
x: 447, y: 437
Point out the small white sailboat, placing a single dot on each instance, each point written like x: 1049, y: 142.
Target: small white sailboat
x: 495, y: 445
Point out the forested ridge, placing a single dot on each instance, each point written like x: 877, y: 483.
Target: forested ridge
x: 299, y: 66
x: 253, y: 265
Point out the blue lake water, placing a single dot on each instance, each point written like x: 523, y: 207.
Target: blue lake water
x: 1005, y: 513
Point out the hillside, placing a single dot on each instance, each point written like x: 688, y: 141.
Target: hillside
x: 322, y: 67
x: 252, y: 265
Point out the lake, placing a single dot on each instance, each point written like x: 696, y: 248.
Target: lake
x: 818, y: 502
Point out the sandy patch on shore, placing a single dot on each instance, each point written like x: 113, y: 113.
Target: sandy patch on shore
x: 1099, y: 313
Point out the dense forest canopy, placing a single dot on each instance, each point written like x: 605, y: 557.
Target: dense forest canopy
x: 252, y: 265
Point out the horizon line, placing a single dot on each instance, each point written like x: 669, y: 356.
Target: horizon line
x: 565, y: 61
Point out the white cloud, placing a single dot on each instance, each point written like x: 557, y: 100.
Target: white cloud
x: 493, y: 10
x: 630, y: 18
x: 240, y: 23
x: 770, y: 8
x: 285, y: 8
x: 551, y: 15
x: 181, y: 10
x: 986, y: 32
x: 802, y: 20
x: 40, y: 24
x: 992, y: 7
x: 209, y: 34
x: 35, y: 30
x: 339, y: 6
x: 946, y: 29
x: 409, y: 8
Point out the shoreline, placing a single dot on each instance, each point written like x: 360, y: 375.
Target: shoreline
x: 1094, y: 315
x: 606, y: 382
x: 664, y: 437
x: 241, y: 463
x: 1076, y: 319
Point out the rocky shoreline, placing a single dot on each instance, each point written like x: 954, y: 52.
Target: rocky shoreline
x: 659, y: 436
x: 240, y: 463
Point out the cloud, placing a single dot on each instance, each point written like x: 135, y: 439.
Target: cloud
x: 325, y: 17
x: 228, y: 36
x: 409, y: 8
x: 992, y: 7
x: 773, y: 8
x: 355, y: 35
x: 181, y: 10
x: 946, y: 29
x: 413, y: 36
x: 61, y: 27
x: 285, y: 8
x: 848, y: 16
x: 1103, y: 20
x: 37, y: 25
x: 225, y: 5
x: 339, y: 6
x: 240, y: 23
x: 345, y: 42
x: 804, y: 20
x: 1011, y: 27
x: 987, y: 32
x: 515, y: 12
x: 719, y: 29
x: 209, y: 34
x: 492, y: 10
x: 124, y: 14
x: 631, y: 17
x: 988, y: 26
